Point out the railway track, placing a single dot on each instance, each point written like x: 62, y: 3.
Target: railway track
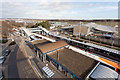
x: 101, y: 44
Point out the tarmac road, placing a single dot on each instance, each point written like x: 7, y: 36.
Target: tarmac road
x: 16, y: 64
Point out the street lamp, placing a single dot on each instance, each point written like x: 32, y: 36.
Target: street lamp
x: 80, y: 29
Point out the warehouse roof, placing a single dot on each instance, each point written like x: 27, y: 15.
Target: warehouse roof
x: 52, y: 46
x: 77, y: 63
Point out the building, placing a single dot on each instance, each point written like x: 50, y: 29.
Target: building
x: 43, y: 47
x: 74, y: 62
x: 94, y: 29
x: 67, y: 30
x: 67, y: 60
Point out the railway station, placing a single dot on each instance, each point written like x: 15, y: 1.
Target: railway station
x: 69, y: 62
x: 73, y: 61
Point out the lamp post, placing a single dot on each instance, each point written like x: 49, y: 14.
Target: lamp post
x: 80, y: 30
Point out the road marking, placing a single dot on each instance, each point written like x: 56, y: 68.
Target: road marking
x: 37, y: 71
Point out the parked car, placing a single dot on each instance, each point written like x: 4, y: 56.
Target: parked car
x: 1, y: 74
x: 2, y: 59
x: 6, y: 52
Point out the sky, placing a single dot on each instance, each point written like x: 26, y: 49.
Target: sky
x: 45, y: 9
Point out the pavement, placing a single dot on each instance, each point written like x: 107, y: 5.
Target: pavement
x: 16, y: 64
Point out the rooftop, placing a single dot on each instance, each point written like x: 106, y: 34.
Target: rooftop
x: 77, y: 63
x: 100, y: 27
x: 104, y: 72
x: 39, y: 43
x: 45, y: 46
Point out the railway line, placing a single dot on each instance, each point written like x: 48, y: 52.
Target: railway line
x: 113, y: 55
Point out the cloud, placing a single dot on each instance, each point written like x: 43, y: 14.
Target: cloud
x: 103, y: 8
x: 60, y: 0
x: 54, y: 6
x: 45, y: 10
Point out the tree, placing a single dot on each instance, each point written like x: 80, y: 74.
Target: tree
x: 45, y: 24
x: 27, y: 26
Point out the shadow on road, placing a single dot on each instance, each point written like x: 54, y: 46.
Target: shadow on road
x: 12, y: 64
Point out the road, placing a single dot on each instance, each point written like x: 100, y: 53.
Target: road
x: 16, y: 64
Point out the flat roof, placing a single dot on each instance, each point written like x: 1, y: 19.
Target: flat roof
x: 52, y: 46
x: 77, y: 63
x: 39, y: 43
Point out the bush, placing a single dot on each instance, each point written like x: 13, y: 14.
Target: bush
x: 3, y: 41
x: 12, y: 43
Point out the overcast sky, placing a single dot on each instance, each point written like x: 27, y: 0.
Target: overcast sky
x: 60, y: 10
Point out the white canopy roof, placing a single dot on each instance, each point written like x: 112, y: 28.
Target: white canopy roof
x: 100, y: 27
x: 104, y: 72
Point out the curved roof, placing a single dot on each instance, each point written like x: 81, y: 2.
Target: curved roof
x: 100, y: 27
x: 104, y: 72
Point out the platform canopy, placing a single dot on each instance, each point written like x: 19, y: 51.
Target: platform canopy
x: 104, y: 72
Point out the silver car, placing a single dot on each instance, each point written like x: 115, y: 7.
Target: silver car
x: 1, y: 74
x: 2, y: 59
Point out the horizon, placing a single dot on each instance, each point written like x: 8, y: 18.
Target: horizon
x: 62, y: 19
